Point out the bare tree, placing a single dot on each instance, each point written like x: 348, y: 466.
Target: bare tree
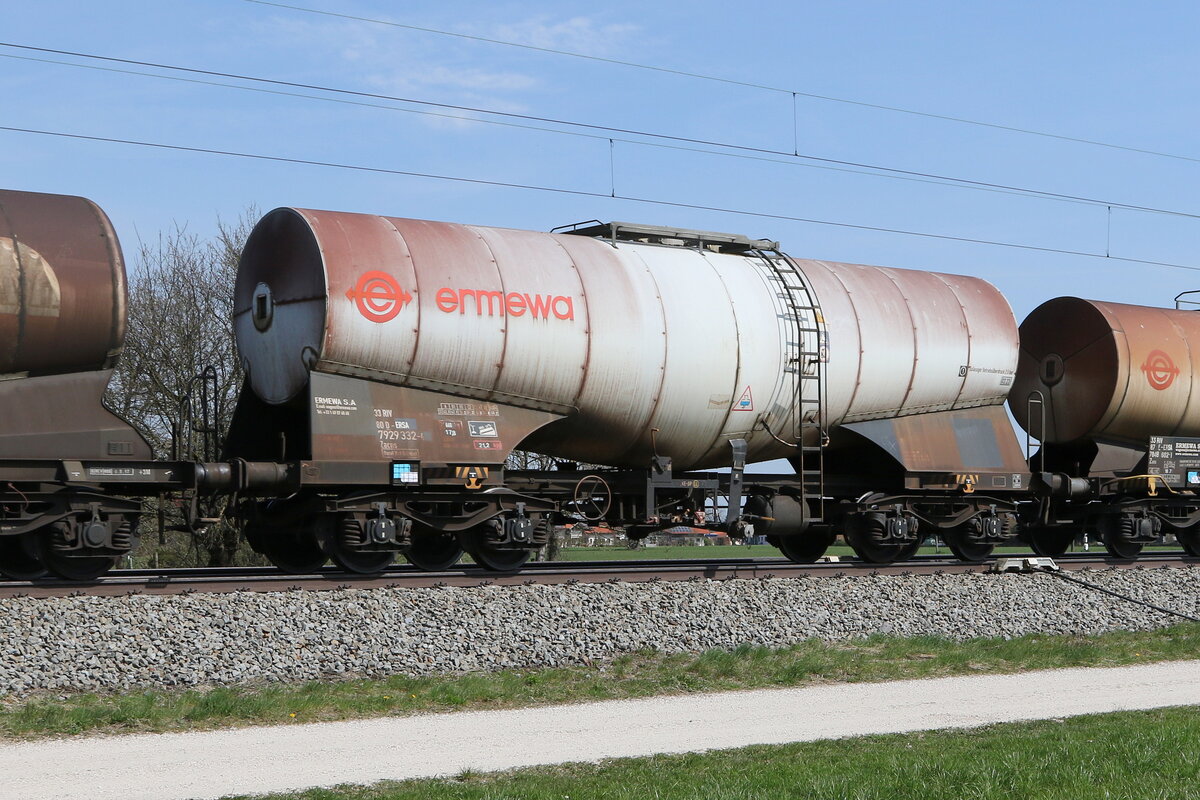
x: 527, y: 459
x: 181, y: 323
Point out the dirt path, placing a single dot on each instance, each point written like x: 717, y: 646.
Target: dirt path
x: 272, y: 759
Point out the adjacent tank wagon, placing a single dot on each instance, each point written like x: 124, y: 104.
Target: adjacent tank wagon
x: 1112, y: 393
x: 62, y: 327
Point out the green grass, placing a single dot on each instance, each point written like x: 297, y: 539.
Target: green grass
x: 178, y: 556
x: 758, y: 551
x: 669, y: 552
x: 673, y: 552
x: 1134, y: 755
x: 639, y: 675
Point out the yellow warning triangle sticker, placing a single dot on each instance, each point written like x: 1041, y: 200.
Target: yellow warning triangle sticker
x: 745, y: 402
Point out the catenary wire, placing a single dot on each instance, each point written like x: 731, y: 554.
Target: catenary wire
x: 605, y: 195
x: 735, y: 82
x: 611, y: 130
x: 791, y: 160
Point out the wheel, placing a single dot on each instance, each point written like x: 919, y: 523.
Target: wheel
x: 293, y: 553
x: 909, y: 550
x: 18, y: 558
x: 805, y: 548
x: 1051, y: 541
x: 1189, y: 540
x: 66, y: 565
x: 432, y: 550
x: 474, y: 541
x: 1115, y: 530
x: 337, y: 539
x: 864, y: 536
x: 362, y: 563
x: 959, y: 542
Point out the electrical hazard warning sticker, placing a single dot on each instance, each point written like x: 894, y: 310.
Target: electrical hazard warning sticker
x: 745, y: 402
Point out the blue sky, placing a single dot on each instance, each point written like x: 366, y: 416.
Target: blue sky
x: 1119, y: 73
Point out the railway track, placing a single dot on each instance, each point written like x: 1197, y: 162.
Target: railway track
x: 269, y: 579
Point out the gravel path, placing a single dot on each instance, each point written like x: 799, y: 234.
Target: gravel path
x: 125, y: 643
x: 253, y: 760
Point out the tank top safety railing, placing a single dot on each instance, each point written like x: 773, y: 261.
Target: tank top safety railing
x: 1180, y: 302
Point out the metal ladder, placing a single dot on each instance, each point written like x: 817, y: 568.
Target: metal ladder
x: 807, y: 368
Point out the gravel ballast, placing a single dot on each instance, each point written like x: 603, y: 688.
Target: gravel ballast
x: 112, y: 644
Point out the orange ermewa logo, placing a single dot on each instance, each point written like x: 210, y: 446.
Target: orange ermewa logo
x: 378, y: 297
x: 1160, y: 370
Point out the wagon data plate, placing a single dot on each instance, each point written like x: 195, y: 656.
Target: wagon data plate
x: 1175, y: 459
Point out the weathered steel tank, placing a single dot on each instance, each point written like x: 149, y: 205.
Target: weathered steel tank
x: 905, y: 342
x: 62, y: 327
x: 651, y: 342
x: 62, y: 285
x: 1108, y: 372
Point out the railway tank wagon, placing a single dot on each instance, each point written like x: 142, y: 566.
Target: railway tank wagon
x: 62, y: 327
x: 401, y: 361
x: 1112, y: 393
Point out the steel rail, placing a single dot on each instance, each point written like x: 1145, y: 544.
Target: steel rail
x: 269, y: 579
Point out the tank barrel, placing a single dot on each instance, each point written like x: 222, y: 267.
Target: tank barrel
x: 1107, y: 372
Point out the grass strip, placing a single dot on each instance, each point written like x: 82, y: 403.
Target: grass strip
x: 672, y: 552
x: 1148, y: 754
x: 643, y: 674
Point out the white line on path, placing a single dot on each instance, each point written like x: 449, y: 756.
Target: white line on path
x: 275, y: 759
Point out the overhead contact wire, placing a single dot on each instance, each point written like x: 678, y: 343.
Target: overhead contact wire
x: 586, y: 193
x: 735, y: 82
x: 792, y: 160
x: 741, y: 148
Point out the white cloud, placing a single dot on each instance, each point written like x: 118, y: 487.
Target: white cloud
x: 577, y: 34
x: 473, y: 79
x: 390, y: 60
x: 427, y: 66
